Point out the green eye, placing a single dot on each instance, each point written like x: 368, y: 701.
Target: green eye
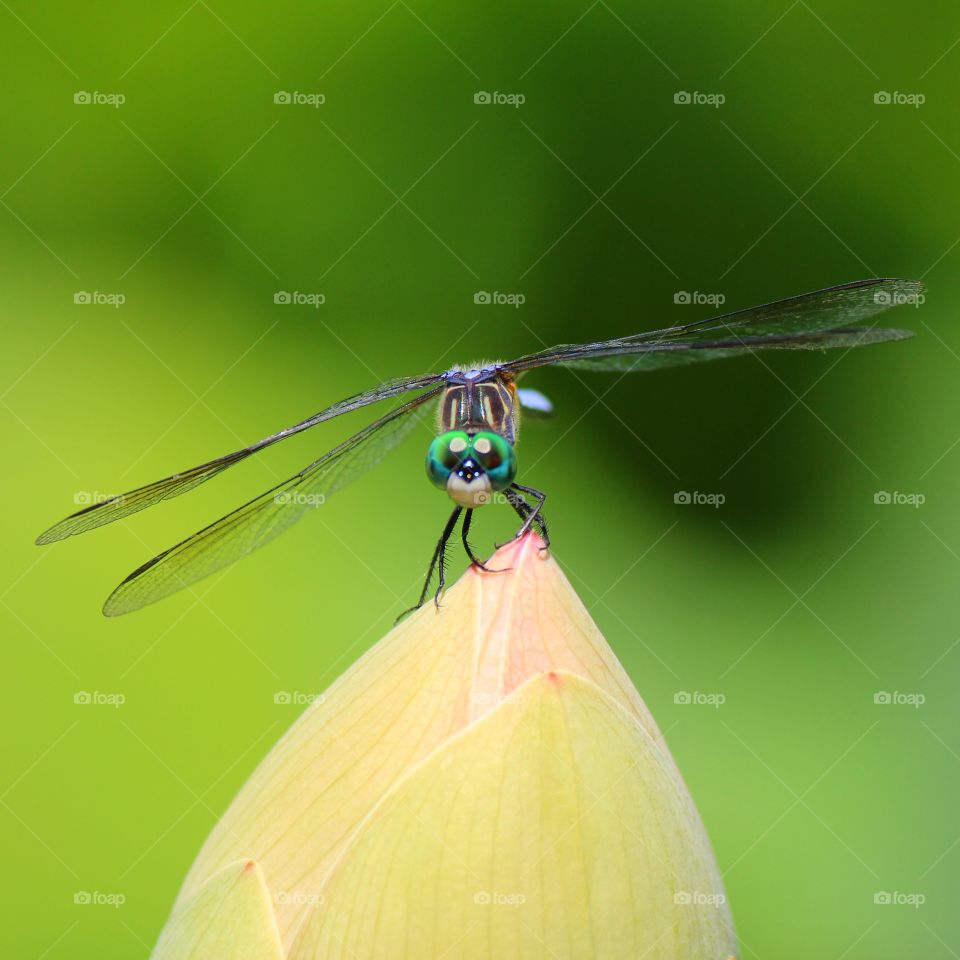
x: 445, y: 452
x: 496, y: 456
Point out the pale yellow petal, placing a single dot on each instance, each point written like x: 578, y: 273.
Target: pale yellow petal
x: 425, y: 682
x: 556, y: 827
x: 229, y: 918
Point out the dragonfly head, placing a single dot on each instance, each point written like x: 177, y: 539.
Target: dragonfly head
x: 471, y: 466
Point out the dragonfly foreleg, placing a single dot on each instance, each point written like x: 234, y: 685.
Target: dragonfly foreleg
x: 528, y: 514
x: 535, y: 515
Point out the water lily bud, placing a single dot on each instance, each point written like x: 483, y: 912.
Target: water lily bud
x: 484, y: 783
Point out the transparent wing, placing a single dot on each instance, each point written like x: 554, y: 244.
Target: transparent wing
x: 125, y: 504
x: 811, y: 321
x: 659, y: 355
x: 265, y: 517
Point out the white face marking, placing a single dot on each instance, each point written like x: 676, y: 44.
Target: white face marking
x: 458, y: 445
x: 482, y: 445
x: 474, y: 494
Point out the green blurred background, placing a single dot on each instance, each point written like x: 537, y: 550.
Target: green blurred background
x: 598, y: 199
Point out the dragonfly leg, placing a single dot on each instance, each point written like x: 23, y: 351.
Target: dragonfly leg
x: 440, y: 556
x: 465, y: 534
x: 541, y: 522
x: 528, y: 514
x: 437, y: 562
x: 535, y: 515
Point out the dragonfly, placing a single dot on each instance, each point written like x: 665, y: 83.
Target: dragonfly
x: 472, y: 458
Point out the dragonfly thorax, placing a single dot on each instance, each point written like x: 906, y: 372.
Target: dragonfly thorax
x: 480, y: 399
x: 471, y: 466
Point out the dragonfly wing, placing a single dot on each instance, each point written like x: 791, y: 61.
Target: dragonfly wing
x: 266, y: 516
x: 784, y: 322
x: 125, y: 504
x: 655, y: 356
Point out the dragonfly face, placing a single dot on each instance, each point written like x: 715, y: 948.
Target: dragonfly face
x: 471, y: 466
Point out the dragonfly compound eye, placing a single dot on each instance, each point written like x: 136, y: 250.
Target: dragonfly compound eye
x: 445, y: 454
x: 497, y: 458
